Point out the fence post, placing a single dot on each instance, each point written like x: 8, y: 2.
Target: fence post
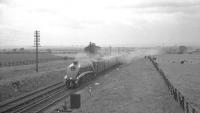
x: 187, y: 107
x: 183, y: 103
x: 175, y: 94
x: 168, y: 83
x: 172, y: 90
x: 179, y: 98
x: 170, y: 86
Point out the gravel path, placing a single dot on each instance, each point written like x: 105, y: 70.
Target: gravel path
x: 131, y: 88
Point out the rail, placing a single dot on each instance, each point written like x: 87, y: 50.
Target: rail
x: 22, y: 102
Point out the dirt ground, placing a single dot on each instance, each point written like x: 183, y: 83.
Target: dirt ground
x: 131, y: 88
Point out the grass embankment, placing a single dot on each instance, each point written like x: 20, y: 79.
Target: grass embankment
x: 18, y: 80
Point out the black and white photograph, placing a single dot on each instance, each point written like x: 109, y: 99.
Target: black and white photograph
x: 99, y: 56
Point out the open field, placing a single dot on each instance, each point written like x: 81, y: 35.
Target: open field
x: 18, y: 75
x: 16, y: 59
x: 18, y: 80
x: 25, y: 57
x: 183, y: 71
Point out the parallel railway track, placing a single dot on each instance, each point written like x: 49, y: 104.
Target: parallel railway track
x: 39, y: 101
x: 26, y: 102
x: 42, y: 99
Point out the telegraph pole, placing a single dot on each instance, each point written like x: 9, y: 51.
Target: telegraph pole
x: 36, y: 44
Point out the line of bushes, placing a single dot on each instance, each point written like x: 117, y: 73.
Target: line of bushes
x: 178, y: 96
x: 28, y: 62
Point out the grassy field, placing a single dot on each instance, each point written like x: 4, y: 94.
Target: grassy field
x: 16, y: 68
x: 183, y: 71
x: 25, y: 57
x: 28, y: 79
x: 18, y: 59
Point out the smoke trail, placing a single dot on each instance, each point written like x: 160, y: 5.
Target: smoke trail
x: 140, y: 53
x: 83, y: 59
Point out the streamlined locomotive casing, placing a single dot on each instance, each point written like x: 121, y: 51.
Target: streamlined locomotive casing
x: 81, y: 73
x: 75, y: 73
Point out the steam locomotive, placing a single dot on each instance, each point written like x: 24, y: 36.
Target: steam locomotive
x: 78, y: 73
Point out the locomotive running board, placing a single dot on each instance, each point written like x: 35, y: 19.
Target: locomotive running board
x: 84, y: 73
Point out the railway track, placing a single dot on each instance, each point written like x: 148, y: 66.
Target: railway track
x: 39, y: 101
x: 54, y: 101
x: 26, y: 102
x: 42, y: 99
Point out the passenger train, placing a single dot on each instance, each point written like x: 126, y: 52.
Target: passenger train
x: 78, y: 73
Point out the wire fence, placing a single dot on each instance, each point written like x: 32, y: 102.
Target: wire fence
x: 28, y: 62
x: 178, y: 96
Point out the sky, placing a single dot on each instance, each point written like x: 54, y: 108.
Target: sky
x: 104, y: 22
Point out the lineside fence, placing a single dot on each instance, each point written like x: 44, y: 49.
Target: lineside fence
x: 178, y: 96
x: 28, y: 62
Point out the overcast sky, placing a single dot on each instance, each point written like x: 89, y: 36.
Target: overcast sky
x: 105, y: 22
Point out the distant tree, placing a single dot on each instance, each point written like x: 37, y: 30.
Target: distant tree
x: 21, y: 49
x: 49, y: 50
x: 182, y: 49
x: 4, y: 50
x: 14, y: 50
